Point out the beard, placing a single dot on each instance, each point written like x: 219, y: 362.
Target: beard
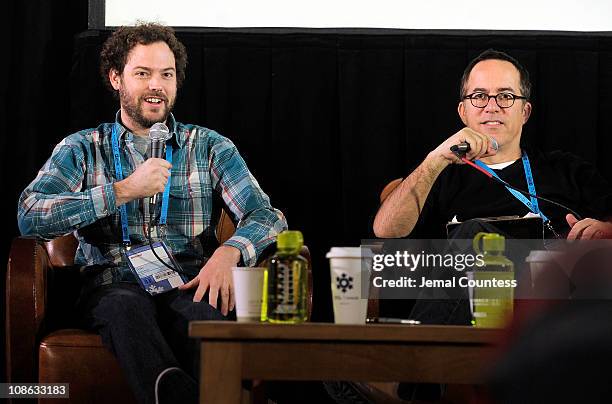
x: 134, y: 109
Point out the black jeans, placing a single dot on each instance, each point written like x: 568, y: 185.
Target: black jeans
x: 146, y: 333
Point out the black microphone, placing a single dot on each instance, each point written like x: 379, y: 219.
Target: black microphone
x: 158, y: 134
x: 463, y: 148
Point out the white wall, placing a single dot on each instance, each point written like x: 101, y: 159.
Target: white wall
x: 553, y: 15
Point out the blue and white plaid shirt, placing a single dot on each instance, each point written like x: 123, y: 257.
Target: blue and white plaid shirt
x: 74, y: 192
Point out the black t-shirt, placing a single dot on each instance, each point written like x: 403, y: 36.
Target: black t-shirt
x: 466, y: 193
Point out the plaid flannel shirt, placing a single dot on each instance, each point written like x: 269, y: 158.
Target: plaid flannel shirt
x: 74, y: 192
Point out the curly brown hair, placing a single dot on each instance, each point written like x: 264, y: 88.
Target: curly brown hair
x: 117, y: 47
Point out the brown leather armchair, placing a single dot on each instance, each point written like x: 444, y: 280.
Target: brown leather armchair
x: 42, y: 342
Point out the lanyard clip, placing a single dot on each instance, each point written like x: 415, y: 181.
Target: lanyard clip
x: 549, y: 226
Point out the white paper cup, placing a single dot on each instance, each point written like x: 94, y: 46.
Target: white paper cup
x: 547, y: 275
x: 539, y: 260
x: 348, y: 267
x: 248, y: 288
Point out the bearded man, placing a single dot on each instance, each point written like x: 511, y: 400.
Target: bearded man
x: 117, y: 197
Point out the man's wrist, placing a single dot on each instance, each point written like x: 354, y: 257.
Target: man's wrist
x: 435, y: 162
x: 122, y: 194
x: 229, y: 252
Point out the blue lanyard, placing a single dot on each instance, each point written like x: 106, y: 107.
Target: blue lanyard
x: 166, y: 196
x: 532, y: 203
x: 119, y: 174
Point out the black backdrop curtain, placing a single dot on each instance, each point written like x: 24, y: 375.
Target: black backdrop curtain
x: 37, y: 46
x: 323, y: 119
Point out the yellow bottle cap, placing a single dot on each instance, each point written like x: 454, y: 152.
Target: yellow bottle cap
x: 290, y: 240
x: 490, y: 242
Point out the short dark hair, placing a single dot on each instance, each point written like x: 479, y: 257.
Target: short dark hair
x: 116, y: 48
x: 492, y: 54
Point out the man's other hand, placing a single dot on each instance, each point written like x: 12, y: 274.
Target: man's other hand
x: 588, y: 229
x: 217, y: 275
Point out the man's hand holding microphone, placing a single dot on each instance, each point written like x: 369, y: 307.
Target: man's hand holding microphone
x: 148, y: 179
x: 474, y: 144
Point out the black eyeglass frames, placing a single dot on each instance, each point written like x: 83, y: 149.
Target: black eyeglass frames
x: 503, y: 100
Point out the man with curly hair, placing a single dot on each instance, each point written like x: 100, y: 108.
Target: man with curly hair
x: 98, y: 183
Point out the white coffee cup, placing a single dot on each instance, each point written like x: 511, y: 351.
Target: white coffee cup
x: 248, y: 288
x: 547, y: 272
x: 350, y: 273
x: 538, y: 260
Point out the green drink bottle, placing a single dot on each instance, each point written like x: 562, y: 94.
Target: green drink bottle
x: 285, y: 295
x: 493, y: 294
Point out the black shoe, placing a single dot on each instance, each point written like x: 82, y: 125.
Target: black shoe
x: 174, y: 385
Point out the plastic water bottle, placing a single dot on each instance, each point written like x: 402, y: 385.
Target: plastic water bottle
x: 493, y: 293
x: 285, y: 295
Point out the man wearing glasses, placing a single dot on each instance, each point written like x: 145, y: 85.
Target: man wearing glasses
x: 494, y: 105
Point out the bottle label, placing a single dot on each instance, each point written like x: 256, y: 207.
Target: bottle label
x: 286, y: 288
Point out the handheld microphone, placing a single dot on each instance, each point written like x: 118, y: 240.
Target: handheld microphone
x: 158, y: 134
x: 464, y: 147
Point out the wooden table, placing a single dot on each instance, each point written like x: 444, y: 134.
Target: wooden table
x: 232, y: 352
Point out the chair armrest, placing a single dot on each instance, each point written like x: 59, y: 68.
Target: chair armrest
x: 26, y: 298
x: 225, y: 227
x: 390, y: 187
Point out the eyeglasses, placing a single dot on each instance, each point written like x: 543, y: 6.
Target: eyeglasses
x: 503, y: 100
